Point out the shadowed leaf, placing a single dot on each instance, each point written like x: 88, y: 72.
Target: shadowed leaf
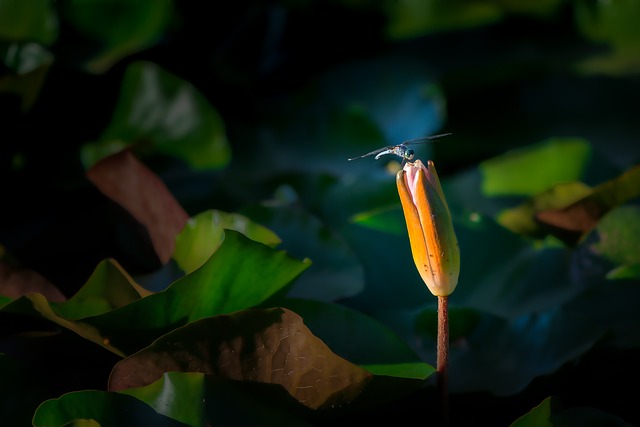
x: 106, y: 409
x: 16, y: 281
x: 551, y: 412
x: 132, y: 185
x: 269, y: 346
x: 109, y: 287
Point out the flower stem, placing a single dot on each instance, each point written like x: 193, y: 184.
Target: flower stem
x: 443, y: 357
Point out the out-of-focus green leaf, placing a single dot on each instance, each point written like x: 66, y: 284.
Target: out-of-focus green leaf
x: 534, y: 169
x: 336, y: 272
x: 204, y: 233
x: 504, y: 355
x: 521, y: 219
x: 28, y: 20
x: 108, y: 288
x: 572, y: 221
x: 490, y: 353
x: 82, y: 423
x: 107, y: 409
x: 615, y: 240
x: 615, y: 23
x: 159, y: 111
x: 269, y: 346
x: 387, y: 219
x: 23, y: 58
x: 415, y: 18
x: 26, y: 85
x: 116, y: 29
x: 240, y: 274
x: 512, y: 275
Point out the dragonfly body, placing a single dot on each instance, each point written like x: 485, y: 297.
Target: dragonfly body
x: 401, y: 150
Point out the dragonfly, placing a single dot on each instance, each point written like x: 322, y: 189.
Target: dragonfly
x: 401, y: 150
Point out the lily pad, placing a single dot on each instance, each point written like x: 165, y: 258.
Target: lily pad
x: 269, y: 346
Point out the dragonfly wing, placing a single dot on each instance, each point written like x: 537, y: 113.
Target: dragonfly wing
x: 379, y: 152
x: 424, y: 139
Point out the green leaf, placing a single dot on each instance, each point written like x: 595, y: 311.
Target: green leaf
x: 157, y: 110
x: 611, y: 248
x: 204, y: 233
x: 269, y: 346
x: 82, y: 423
x: 108, y: 288
x: 198, y: 399
x: 386, y: 219
x: 24, y: 58
x: 410, y: 19
x: 113, y: 30
x: 550, y: 412
x: 176, y: 396
x: 533, y: 169
x: 613, y: 23
x: 240, y: 274
x: 540, y: 416
x: 28, y: 20
x: 107, y: 409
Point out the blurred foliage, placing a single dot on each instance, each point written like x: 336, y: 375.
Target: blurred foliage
x: 184, y: 242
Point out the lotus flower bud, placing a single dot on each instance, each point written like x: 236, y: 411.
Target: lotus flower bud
x: 433, y: 240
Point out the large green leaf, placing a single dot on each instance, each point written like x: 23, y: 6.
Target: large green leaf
x: 204, y: 233
x: 28, y: 20
x: 534, y: 169
x: 269, y: 346
x: 112, y: 30
x: 613, y: 23
x: 157, y: 110
x: 240, y: 274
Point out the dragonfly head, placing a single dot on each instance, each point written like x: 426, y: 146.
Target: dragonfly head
x: 409, y: 154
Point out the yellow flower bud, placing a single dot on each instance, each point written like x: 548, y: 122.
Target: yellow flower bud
x: 433, y: 241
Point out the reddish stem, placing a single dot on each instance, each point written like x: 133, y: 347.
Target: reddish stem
x: 443, y: 357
